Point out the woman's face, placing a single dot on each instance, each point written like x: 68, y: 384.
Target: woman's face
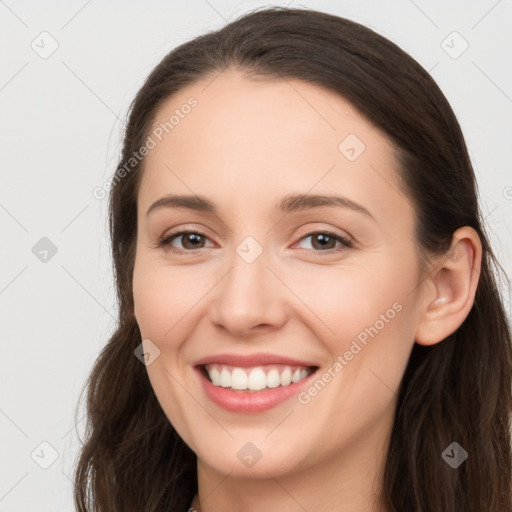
x: 264, y: 274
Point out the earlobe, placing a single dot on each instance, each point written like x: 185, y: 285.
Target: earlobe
x: 452, y: 288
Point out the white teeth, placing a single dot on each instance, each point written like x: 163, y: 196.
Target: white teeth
x: 254, y: 379
x: 225, y: 378
x: 215, y: 376
x: 238, y: 379
x: 273, y: 379
x: 296, y: 375
x: 257, y: 380
x: 286, y: 377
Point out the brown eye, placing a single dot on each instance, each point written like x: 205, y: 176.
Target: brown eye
x: 190, y: 240
x: 325, y: 241
x: 322, y: 241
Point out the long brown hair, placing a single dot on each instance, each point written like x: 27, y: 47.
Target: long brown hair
x: 457, y: 390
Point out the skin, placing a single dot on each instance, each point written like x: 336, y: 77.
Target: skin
x: 245, y: 145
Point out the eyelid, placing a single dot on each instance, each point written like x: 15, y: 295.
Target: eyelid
x: 345, y: 242
x: 302, y: 231
x: 165, y: 240
x: 309, y: 230
x: 182, y: 229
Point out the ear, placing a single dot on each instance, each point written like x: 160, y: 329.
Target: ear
x: 450, y: 288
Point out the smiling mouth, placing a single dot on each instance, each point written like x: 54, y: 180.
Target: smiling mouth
x: 254, y: 379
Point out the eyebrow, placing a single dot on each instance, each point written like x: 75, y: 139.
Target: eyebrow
x: 287, y: 204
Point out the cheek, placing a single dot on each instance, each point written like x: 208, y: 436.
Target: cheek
x: 162, y: 296
x: 343, y: 302
x: 364, y: 317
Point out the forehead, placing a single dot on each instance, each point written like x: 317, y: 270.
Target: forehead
x: 233, y: 107
x: 246, y: 138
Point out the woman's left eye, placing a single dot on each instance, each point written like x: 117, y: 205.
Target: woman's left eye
x: 326, y: 239
x: 322, y: 241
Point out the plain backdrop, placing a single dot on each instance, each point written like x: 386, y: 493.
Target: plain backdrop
x: 68, y: 72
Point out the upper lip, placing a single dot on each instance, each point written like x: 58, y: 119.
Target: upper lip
x: 251, y: 360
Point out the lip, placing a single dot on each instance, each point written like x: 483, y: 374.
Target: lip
x: 259, y: 359
x: 254, y: 401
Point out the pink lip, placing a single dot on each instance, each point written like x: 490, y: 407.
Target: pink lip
x: 252, y: 360
x: 254, y: 401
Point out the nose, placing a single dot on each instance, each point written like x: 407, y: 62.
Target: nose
x: 249, y: 299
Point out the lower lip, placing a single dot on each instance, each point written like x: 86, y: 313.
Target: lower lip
x: 248, y: 402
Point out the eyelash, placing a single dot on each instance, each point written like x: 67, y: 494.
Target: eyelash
x: 165, y: 242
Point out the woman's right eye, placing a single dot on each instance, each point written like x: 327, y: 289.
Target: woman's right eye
x: 190, y: 238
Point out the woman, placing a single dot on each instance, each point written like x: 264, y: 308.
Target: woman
x: 309, y: 318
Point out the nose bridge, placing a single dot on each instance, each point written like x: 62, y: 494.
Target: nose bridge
x: 249, y: 294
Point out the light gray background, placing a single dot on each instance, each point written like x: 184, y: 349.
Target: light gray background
x: 62, y: 119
